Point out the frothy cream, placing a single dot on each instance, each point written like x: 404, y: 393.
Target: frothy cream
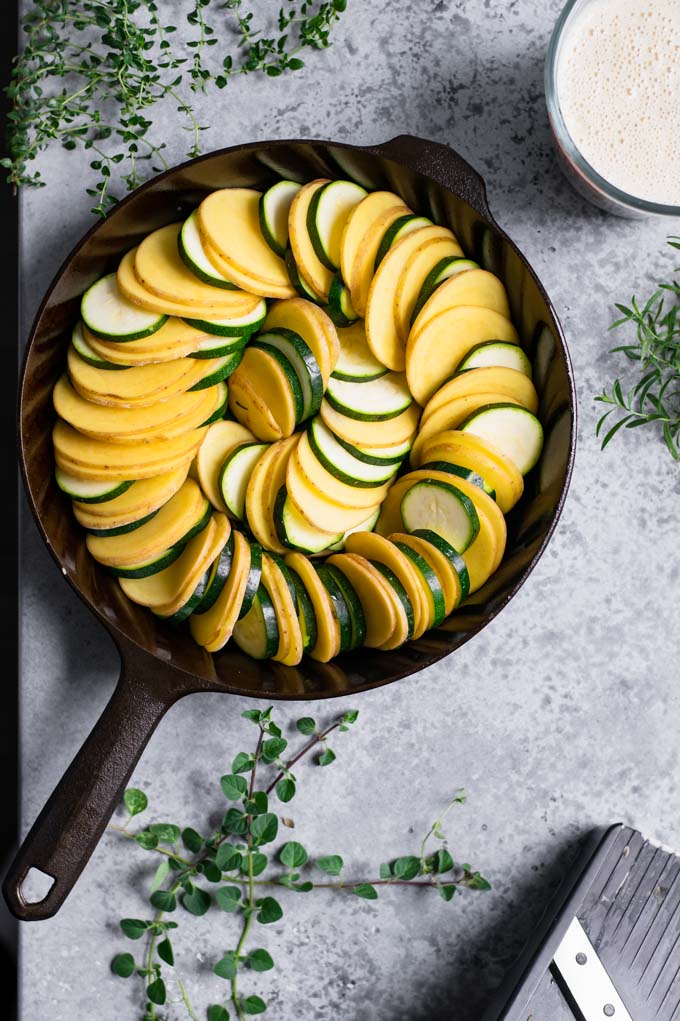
x: 618, y: 85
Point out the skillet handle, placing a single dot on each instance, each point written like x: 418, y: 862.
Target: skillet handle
x: 438, y: 161
x: 67, y: 830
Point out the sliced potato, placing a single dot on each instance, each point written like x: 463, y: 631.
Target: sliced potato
x: 391, y: 433
x: 174, y: 340
x: 374, y: 594
x: 327, y: 627
x: 213, y: 629
x: 363, y: 269
x: 141, y: 499
x: 221, y: 438
x: 266, y: 478
x: 438, y: 562
x: 494, y: 379
x: 381, y: 323
x: 332, y: 488
x: 290, y: 648
x: 248, y: 407
x: 313, y: 325
x: 413, y: 276
x: 202, y: 564
x: 434, y: 353
x: 100, y: 459
x: 377, y: 547
x: 473, y: 287
x: 478, y: 455
x: 260, y: 380
x: 318, y: 276
x: 317, y: 509
x: 359, y: 221
x: 141, y: 386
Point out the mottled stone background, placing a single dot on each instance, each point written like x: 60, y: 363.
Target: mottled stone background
x: 562, y: 715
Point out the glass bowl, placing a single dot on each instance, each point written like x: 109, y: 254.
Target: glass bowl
x: 584, y: 178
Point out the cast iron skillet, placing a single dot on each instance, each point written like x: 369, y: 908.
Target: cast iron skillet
x: 160, y: 665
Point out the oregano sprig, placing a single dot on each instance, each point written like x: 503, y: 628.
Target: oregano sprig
x: 230, y: 871
x: 91, y: 71
x: 655, y: 350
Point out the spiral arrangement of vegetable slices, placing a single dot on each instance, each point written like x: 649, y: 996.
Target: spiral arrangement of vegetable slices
x: 297, y: 421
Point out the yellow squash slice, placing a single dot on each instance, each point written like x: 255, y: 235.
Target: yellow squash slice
x: 363, y: 270
x: 313, y: 325
x: 229, y: 224
x: 454, y: 413
x: 381, y: 323
x: 376, y: 547
x: 477, y: 455
x: 308, y: 263
x: 116, y: 461
x: 327, y: 627
x: 221, y: 438
x: 473, y: 287
x: 435, y: 352
x: 291, y: 647
x: 175, y: 518
x: 391, y: 433
x: 374, y: 594
x: 259, y: 380
x: 494, y: 379
x: 213, y: 629
x: 413, y: 276
x: 160, y: 270
x: 358, y: 223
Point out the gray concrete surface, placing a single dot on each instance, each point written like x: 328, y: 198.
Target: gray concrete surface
x: 562, y: 715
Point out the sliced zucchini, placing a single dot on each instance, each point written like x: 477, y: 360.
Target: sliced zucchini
x: 381, y: 456
x: 234, y: 326
x: 356, y: 363
x: 304, y: 289
x: 449, y: 582
x: 274, y: 206
x: 512, y: 430
x: 219, y: 347
x: 192, y: 602
x: 227, y: 364
x: 107, y: 314
x: 353, y: 603
x: 462, y: 473
x: 431, y: 582
x: 374, y: 594
x: 86, y: 491
x: 342, y: 463
x: 130, y: 526
x: 496, y: 353
x: 87, y: 354
x: 194, y: 258
x: 327, y: 215
x: 217, y: 576
x: 257, y: 633
x: 443, y: 508
x: 374, y: 401
x: 223, y: 400
x: 152, y: 565
x: 305, y: 611
x: 306, y: 367
x: 444, y: 270
x: 451, y: 554
x: 235, y: 474
x: 340, y: 607
x: 396, y: 231
x: 295, y: 532
x: 254, y: 579
x: 340, y: 308
x: 400, y: 593
x: 290, y: 375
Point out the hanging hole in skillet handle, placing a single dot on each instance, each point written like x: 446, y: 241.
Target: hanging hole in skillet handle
x: 439, y: 162
x: 66, y: 832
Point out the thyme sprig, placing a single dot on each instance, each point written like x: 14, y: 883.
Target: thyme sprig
x: 91, y: 71
x: 243, y: 877
x: 655, y: 397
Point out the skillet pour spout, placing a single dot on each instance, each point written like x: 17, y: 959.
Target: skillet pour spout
x: 161, y: 665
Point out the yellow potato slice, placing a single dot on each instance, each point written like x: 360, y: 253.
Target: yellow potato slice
x: 330, y: 487
x: 145, y: 496
x: 478, y: 455
x: 136, y: 387
x: 454, y: 413
x: 313, y: 325
x: 229, y: 222
x: 174, y: 340
x: 391, y: 433
x: 381, y: 324
x: 117, y: 461
x: 291, y: 647
x: 377, y: 547
x: 213, y: 629
x: 134, y: 291
x: 327, y: 627
x: 159, y: 269
x: 267, y: 477
x: 163, y: 419
x: 259, y: 380
x: 202, y: 564
x: 413, y: 276
x: 308, y: 263
x: 317, y: 509
x: 374, y: 594
x: 363, y: 270
x: 359, y: 222
x: 173, y: 521
x: 494, y: 379
x: 448, y: 579
x: 221, y: 438
x: 435, y: 352
x: 244, y: 280
x: 473, y: 287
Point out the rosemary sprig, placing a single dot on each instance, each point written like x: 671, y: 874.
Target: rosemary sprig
x: 655, y: 397
x: 91, y: 71
x: 242, y: 875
